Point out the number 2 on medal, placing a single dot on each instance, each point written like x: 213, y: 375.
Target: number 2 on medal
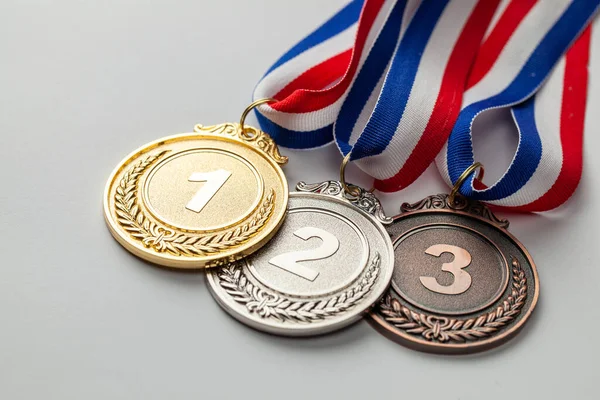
x: 214, y: 181
x: 462, y: 279
x: 289, y: 261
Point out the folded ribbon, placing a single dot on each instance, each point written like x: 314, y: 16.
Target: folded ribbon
x: 395, y: 83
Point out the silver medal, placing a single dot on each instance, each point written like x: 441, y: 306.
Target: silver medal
x: 330, y: 262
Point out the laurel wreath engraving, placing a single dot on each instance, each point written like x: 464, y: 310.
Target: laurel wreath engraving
x: 162, y: 239
x: 442, y: 329
x: 272, y: 305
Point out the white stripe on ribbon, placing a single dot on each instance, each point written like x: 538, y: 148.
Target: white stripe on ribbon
x: 517, y: 51
x: 548, y: 102
x: 424, y: 92
x: 383, y: 140
x: 326, y: 116
x: 365, y: 114
x: 286, y: 73
x: 499, y: 11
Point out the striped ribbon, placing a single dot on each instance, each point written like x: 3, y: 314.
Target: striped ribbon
x: 396, y: 83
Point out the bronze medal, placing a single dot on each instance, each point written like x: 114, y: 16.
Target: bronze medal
x: 462, y: 283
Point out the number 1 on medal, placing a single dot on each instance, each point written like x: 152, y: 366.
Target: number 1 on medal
x: 214, y: 181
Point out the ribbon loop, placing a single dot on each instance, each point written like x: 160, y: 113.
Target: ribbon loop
x: 396, y: 82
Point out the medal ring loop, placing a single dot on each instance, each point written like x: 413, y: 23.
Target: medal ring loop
x: 252, y: 106
x: 351, y: 190
x: 463, y: 177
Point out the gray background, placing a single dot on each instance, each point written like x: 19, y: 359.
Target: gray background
x: 82, y: 83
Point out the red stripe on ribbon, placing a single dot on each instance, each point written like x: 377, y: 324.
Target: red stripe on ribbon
x: 449, y: 99
x: 303, y: 100
x: 320, y: 76
x: 572, y: 121
x: 493, y: 45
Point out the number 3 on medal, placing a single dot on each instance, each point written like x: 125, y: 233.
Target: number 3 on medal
x: 214, y: 181
x: 462, y: 279
x: 289, y: 261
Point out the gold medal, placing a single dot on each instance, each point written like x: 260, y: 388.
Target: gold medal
x: 198, y: 199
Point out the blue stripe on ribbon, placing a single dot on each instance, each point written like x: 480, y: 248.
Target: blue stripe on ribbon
x: 527, y: 157
x: 341, y: 21
x: 368, y: 76
x: 335, y: 25
x: 537, y: 68
x: 392, y: 101
x: 294, y: 139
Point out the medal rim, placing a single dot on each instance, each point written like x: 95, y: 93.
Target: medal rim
x: 458, y: 348
x: 326, y: 326
x: 194, y: 262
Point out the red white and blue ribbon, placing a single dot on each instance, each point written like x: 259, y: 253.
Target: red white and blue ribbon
x: 516, y: 59
x: 386, y: 80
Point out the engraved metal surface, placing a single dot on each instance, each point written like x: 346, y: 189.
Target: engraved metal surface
x: 331, y: 279
x: 198, y: 199
x: 461, y: 282
x: 365, y: 200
